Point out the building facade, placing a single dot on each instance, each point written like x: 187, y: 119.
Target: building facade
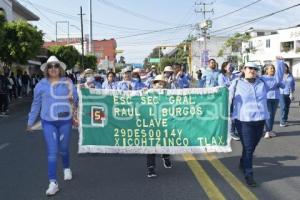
x: 264, y: 46
x: 13, y: 10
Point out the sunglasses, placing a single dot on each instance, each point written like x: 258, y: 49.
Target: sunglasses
x: 252, y: 68
x: 51, y: 66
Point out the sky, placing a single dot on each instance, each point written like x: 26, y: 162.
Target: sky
x: 121, y: 18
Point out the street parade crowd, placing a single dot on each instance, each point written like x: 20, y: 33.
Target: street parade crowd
x: 254, y: 98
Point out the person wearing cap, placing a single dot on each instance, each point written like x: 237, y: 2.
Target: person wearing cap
x: 54, y: 97
x: 90, y: 81
x: 286, y: 95
x: 210, y: 75
x: 273, y: 96
x: 250, y: 111
x: 169, y: 77
x: 110, y: 82
x: 126, y: 83
x: 159, y: 82
x: 151, y: 74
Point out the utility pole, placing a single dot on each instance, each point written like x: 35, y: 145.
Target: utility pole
x: 82, y: 40
x: 91, y: 48
x: 203, y: 27
x: 62, y: 22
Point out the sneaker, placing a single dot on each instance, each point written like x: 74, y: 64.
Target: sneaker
x: 52, y: 189
x: 167, y: 163
x: 283, y: 124
x: 151, y: 172
x: 250, y: 181
x: 4, y: 114
x: 267, y: 135
x: 272, y: 134
x: 67, y: 174
x: 235, y: 137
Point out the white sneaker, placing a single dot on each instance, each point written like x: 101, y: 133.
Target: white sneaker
x: 52, y: 189
x: 272, y: 134
x: 283, y: 125
x: 267, y: 135
x: 67, y: 174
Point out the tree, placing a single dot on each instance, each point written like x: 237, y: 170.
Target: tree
x: 67, y: 54
x: 234, y: 43
x: 90, y: 61
x: 22, y: 41
x: 122, y: 60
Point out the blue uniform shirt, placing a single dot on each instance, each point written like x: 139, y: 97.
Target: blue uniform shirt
x: 250, y: 99
x: 274, y: 93
x: 52, y: 101
x: 209, y: 78
x: 224, y: 80
x: 112, y: 86
x: 289, y: 85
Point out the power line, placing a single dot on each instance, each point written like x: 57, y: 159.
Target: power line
x: 256, y: 19
x: 237, y: 10
x: 130, y: 12
x: 75, y: 18
x: 155, y: 31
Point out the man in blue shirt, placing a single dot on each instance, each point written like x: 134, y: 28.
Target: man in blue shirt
x: 210, y: 75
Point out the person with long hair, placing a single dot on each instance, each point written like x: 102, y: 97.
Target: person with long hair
x: 286, y: 95
x: 55, y: 99
x: 110, y: 82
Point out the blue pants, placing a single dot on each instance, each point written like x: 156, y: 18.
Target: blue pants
x: 250, y: 134
x: 285, y: 102
x: 272, y: 107
x: 57, y: 137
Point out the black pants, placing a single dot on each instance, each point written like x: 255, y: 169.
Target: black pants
x: 151, y: 159
x: 3, y: 102
x: 250, y: 134
x: 19, y: 89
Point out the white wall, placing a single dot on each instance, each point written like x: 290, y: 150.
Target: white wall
x: 7, y: 7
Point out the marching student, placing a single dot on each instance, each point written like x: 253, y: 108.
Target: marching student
x: 225, y: 78
x: 54, y: 97
x: 159, y: 82
x: 272, y: 99
x: 110, y: 82
x: 286, y: 95
x: 250, y: 111
x: 126, y: 83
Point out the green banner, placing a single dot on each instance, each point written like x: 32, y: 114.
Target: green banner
x: 154, y: 121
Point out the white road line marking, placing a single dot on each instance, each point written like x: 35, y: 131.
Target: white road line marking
x: 2, y: 146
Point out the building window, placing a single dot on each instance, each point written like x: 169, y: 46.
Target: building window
x: 287, y: 46
x: 298, y: 46
x: 260, y: 33
x: 268, y: 43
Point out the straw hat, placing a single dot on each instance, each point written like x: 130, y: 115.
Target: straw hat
x: 53, y: 60
x: 168, y: 69
x: 158, y: 78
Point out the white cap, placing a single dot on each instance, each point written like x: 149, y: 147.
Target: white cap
x: 53, y: 60
x: 153, y: 67
x: 136, y: 70
x: 251, y: 64
x: 127, y: 69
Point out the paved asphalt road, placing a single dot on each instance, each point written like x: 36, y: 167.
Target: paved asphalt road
x: 23, y: 174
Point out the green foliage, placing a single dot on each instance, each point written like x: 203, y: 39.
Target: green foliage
x: 67, y: 54
x: 90, y: 61
x: 21, y: 42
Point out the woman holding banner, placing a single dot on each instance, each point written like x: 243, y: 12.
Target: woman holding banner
x: 159, y: 82
x: 110, y: 83
x: 54, y: 97
x: 250, y: 111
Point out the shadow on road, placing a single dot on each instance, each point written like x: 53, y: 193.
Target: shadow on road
x: 267, y: 168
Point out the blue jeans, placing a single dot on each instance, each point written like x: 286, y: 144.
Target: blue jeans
x: 250, y: 134
x: 57, y: 137
x: 285, y: 103
x: 272, y: 107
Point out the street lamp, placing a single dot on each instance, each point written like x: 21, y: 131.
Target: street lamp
x: 62, y: 22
